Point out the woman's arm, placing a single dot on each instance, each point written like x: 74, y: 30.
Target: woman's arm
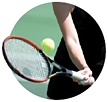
x: 63, y: 15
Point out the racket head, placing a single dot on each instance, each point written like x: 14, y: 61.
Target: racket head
x: 26, y: 59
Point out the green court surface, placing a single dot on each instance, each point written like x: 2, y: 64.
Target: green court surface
x: 37, y: 24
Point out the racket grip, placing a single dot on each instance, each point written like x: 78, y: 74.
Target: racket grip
x: 80, y: 77
x: 77, y: 75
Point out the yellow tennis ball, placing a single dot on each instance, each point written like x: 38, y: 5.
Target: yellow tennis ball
x: 48, y: 45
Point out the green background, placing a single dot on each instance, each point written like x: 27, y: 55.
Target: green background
x: 37, y: 24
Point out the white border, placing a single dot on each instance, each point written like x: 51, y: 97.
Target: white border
x: 10, y: 12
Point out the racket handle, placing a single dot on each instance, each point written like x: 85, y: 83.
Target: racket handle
x: 77, y: 75
x: 81, y: 77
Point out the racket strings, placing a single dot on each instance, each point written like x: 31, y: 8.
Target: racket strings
x: 26, y: 59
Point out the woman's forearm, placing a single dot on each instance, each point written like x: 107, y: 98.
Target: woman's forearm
x: 76, y: 54
x: 63, y: 15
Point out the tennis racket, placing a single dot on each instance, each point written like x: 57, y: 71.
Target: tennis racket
x: 28, y: 61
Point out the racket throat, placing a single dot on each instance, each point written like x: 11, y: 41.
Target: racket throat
x: 63, y: 71
x: 56, y: 65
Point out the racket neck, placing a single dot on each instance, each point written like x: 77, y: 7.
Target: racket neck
x: 56, y: 65
x: 62, y: 68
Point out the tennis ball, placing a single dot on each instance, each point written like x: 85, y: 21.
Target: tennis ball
x: 48, y: 45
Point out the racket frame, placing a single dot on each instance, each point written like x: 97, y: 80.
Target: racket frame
x: 15, y: 69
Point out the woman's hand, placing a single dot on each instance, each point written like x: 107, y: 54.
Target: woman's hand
x: 88, y: 74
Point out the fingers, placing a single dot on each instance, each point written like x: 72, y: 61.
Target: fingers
x: 87, y: 77
x: 86, y: 72
x: 89, y: 81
